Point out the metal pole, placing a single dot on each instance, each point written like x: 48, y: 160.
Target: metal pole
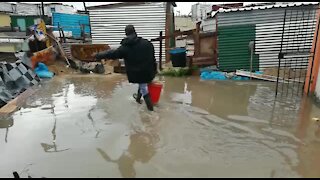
x: 160, y: 52
x: 280, y: 54
x: 251, y: 47
x: 86, y: 10
x: 63, y: 36
x: 42, y: 8
x: 59, y: 31
x: 85, y: 7
x: 251, y: 64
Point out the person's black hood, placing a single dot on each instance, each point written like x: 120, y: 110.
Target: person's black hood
x: 130, y: 40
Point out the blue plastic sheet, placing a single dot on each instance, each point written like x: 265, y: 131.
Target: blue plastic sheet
x: 214, y: 75
x: 42, y: 71
x: 217, y: 75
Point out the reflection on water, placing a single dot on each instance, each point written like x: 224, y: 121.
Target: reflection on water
x: 48, y: 147
x: 274, y: 122
x: 141, y: 147
x: 6, y: 123
x: 199, y: 129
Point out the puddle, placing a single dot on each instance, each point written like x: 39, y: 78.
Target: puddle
x: 90, y: 126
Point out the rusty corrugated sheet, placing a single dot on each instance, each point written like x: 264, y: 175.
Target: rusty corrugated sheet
x: 83, y: 52
x: 45, y: 56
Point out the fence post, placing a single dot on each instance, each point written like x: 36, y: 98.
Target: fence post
x: 59, y: 32
x: 64, y: 38
x: 160, y: 52
x: 83, y: 33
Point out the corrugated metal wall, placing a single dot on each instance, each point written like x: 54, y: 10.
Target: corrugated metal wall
x: 71, y: 22
x: 107, y: 24
x: 268, y: 31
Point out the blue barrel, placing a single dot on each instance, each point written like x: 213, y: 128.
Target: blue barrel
x: 178, y: 57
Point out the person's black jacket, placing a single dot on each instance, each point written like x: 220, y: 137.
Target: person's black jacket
x: 138, y: 55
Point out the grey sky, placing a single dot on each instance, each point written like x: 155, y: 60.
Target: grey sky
x: 183, y: 7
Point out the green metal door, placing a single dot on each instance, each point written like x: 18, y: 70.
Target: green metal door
x: 233, y: 48
x: 22, y: 24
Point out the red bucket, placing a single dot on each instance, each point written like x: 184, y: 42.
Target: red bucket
x: 155, y: 91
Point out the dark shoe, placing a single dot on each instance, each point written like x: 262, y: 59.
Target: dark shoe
x: 148, y: 101
x: 137, y: 97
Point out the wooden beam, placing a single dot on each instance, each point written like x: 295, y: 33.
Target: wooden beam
x: 12, y: 105
x: 85, y: 7
x: 160, y: 52
x: 179, y: 33
x: 42, y: 9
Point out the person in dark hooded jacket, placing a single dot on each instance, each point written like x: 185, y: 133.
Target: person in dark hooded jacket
x: 140, y: 62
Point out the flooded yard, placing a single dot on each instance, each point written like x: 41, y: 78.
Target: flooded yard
x: 90, y: 126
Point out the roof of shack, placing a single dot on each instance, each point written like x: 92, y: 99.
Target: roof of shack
x: 115, y: 5
x: 294, y: 4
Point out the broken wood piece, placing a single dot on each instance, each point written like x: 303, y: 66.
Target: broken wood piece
x: 12, y: 105
x: 60, y: 48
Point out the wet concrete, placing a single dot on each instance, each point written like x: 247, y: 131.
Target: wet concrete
x: 90, y: 126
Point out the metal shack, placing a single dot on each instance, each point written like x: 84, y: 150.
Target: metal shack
x: 71, y: 22
x: 273, y: 28
x: 149, y: 18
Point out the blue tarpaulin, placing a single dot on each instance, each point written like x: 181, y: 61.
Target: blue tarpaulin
x: 207, y: 74
x: 42, y: 71
x: 214, y: 75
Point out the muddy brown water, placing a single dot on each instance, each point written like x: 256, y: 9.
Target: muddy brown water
x: 90, y: 126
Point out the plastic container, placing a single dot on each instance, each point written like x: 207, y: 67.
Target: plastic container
x: 178, y: 57
x: 155, y: 91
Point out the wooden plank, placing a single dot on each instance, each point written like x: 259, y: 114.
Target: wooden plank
x: 265, y: 77
x: 12, y: 105
x: 204, y: 60
x: 60, y: 48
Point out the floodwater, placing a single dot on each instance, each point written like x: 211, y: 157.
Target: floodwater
x: 90, y: 126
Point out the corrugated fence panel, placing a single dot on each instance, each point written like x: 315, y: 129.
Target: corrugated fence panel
x: 268, y: 33
x: 71, y: 22
x: 107, y: 24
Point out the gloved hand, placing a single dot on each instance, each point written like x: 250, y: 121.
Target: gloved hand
x: 94, y: 56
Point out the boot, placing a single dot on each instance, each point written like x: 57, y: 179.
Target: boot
x: 137, y: 97
x: 148, y: 101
